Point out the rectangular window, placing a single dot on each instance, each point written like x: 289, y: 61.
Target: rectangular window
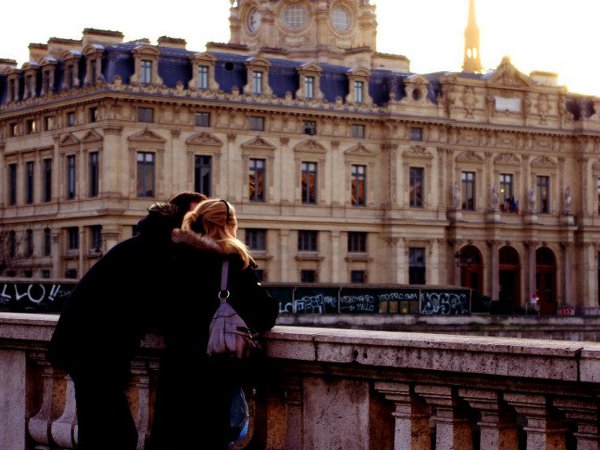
x: 256, y: 179
x: 416, y: 133
x: 145, y: 71
x: 256, y: 239
x: 13, y: 129
x: 71, y: 119
x: 47, y: 194
x: 203, y: 77
x: 309, y: 182
x: 416, y: 265
x: 257, y: 123
x: 94, y: 168
x: 31, y: 126
x: 12, y: 184
x: 357, y: 242
x: 29, y: 243
x: 543, y: 194
x: 415, y: 190
x: 358, y: 91
x: 47, y: 242
x: 69, y: 78
x: 309, y: 87
x: 45, y: 273
x: 46, y: 88
x: 72, y: 238
x: 29, y: 182
x: 203, y: 119
x: 145, y: 115
x: 202, y: 174
x: 93, y: 114
x: 507, y: 198
x: 96, y: 238
x: 12, y: 244
x: 145, y: 174
x: 257, y: 80
x: 358, y: 277
x: 309, y: 127
x: 307, y: 241
x: 359, y: 185
x: 357, y: 131
x: 598, y: 198
x: 48, y: 123
x: 93, y: 66
x: 308, y: 276
x: 468, y: 191
x: 71, y: 180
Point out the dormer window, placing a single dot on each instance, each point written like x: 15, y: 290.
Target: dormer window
x: 309, y: 82
x: 358, y: 80
x: 93, y: 70
x: 12, y: 90
x: 46, y: 83
x: 146, y: 65
x: 257, y: 73
x: 71, y: 70
x: 30, y: 85
x: 203, y: 69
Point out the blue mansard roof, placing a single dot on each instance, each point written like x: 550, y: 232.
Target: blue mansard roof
x: 174, y: 65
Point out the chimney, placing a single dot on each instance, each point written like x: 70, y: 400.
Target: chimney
x: 37, y: 51
x: 165, y: 41
x: 57, y: 46
x: 544, y: 78
x: 101, y: 37
x: 7, y: 64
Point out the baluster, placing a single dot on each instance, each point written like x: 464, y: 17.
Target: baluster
x: 64, y: 429
x: 584, y: 412
x: 545, y: 430
x: 411, y: 431
x: 498, y: 425
x: 39, y: 425
x: 139, y: 400
x: 453, y: 429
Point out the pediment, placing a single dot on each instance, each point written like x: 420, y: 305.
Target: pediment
x: 258, y: 143
x: 359, y: 72
x: 258, y: 61
x: 146, y: 49
x: 507, y: 159
x: 91, y: 136
x: 147, y: 136
x: 68, y: 139
x: 417, y: 151
x: 204, y: 139
x: 70, y: 54
x: 507, y: 75
x: 47, y: 60
x: 92, y: 49
x: 310, y: 146
x: 203, y: 57
x: 30, y: 66
x: 310, y: 67
x: 419, y: 80
x: 469, y: 157
x: 543, y: 161
x: 359, y: 150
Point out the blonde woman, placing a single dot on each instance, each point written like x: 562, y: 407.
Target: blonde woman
x: 190, y: 413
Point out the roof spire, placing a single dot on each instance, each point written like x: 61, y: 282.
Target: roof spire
x: 472, y: 61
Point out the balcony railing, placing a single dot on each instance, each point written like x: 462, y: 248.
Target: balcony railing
x: 347, y: 389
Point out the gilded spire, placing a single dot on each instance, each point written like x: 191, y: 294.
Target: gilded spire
x: 472, y: 61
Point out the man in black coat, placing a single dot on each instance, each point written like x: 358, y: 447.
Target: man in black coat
x: 104, y: 320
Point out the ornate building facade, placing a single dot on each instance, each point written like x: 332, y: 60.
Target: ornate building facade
x: 344, y: 166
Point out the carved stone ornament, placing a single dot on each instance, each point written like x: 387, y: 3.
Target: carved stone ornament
x: 204, y: 139
x: 543, y: 162
x: 258, y: 143
x: 507, y: 159
x: 310, y: 146
x: 417, y: 151
x: 469, y: 157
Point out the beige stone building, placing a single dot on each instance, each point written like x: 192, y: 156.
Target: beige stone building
x: 344, y: 166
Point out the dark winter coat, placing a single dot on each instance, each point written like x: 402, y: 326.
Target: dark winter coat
x: 193, y: 396
x: 115, y: 303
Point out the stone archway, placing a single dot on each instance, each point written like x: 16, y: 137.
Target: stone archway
x: 509, y: 280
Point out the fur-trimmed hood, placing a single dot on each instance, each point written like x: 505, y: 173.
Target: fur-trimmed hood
x: 196, y: 240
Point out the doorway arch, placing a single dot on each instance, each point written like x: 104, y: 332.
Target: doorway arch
x: 545, y: 280
x: 509, y: 280
x: 471, y: 268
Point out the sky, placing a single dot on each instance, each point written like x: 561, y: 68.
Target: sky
x: 549, y: 35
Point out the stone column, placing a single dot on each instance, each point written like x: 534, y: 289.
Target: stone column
x: 568, y: 297
x: 139, y: 400
x: 13, y: 399
x: 336, y: 275
x: 530, y: 245
x: 453, y: 429
x: 411, y: 431
x: 39, y: 425
x: 494, y: 269
x: 498, y: 424
x: 545, y: 431
x: 284, y: 242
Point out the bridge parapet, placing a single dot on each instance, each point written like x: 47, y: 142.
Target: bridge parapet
x: 350, y: 389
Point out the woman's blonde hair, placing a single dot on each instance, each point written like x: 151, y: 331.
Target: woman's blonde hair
x: 215, y: 218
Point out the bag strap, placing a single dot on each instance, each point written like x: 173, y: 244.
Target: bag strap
x: 224, y: 293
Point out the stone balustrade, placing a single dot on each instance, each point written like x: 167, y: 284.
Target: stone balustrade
x: 334, y: 389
